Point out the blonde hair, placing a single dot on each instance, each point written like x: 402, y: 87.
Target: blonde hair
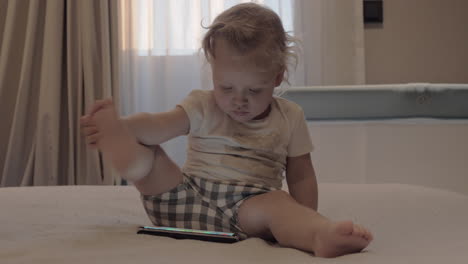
x: 251, y: 27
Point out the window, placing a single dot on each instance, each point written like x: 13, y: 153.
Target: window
x: 174, y: 27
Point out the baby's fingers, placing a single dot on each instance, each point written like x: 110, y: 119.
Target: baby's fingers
x: 89, y: 130
x: 85, y: 120
x: 93, y: 139
x: 99, y: 104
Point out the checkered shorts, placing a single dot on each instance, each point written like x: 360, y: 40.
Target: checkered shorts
x: 201, y: 204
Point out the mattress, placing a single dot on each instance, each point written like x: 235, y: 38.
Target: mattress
x: 98, y: 224
x: 388, y: 101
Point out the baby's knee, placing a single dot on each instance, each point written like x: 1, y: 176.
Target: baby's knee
x: 279, y: 196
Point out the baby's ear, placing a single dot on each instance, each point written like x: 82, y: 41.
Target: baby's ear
x: 279, y: 78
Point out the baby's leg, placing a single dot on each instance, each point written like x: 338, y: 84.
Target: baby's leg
x: 277, y: 214
x: 149, y: 168
x: 163, y: 176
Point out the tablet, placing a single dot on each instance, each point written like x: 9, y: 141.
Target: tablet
x: 182, y: 233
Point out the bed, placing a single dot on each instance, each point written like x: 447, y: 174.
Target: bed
x: 98, y: 224
x: 417, y: 211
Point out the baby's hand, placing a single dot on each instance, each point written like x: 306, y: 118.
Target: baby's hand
x: 100, y: 124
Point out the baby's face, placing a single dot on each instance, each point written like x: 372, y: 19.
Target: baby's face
x: 242, y: 90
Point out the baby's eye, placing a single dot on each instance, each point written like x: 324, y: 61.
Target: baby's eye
x: 226, y: 88
x: 255, y: 91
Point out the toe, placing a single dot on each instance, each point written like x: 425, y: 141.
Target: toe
x: 369, y: 235
x: 357, y: 230
x: 362, y: 232
x: 345, y: 228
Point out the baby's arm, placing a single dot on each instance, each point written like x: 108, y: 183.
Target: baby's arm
x: 157, y: 128
x: 302, y: 183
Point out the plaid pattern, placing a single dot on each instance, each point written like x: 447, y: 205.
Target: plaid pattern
x: 201, y: 204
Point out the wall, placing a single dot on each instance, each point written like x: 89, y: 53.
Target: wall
x: 420, y: 152
x: 419, y: 41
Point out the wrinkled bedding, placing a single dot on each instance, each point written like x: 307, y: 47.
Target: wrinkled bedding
x: 98, y: 224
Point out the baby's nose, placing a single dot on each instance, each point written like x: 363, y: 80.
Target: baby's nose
x: 240, y: 100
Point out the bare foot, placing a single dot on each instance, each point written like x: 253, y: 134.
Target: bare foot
x: 341, y: 238
x: 116, y: 143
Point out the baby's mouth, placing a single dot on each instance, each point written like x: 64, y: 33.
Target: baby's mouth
x: 240, y: 113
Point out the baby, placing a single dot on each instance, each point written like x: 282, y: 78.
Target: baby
x: 241, y: 141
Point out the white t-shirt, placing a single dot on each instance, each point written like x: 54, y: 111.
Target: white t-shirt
x: 220, y: 148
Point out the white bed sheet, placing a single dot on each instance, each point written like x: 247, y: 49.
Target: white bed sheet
x: 97, y: 224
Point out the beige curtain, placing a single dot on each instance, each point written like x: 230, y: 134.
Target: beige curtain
x: 56, y: 58
x: 332, y: 34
